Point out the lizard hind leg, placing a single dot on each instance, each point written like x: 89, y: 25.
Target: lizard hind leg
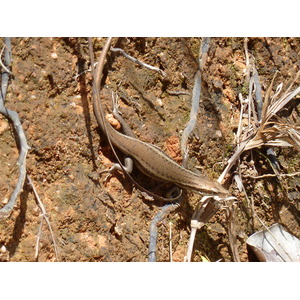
x: 128, y: 166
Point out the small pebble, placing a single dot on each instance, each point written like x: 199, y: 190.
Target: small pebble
x: 113, y: 122
x: 54, y: 55
x: 159, y: 102
x: 219, y: 133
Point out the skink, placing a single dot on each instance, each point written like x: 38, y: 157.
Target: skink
x: 151, y: 160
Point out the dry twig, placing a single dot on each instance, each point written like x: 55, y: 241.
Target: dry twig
x: 45, y: 216
x: 195, y: 99
x: 20, y: 135
x: 135, y: 60
x: 153, y: 229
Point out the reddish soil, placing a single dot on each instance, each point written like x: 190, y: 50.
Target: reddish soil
x: 97, y: 220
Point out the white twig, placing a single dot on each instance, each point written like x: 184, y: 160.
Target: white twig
x: 170, y: 237
x: 273, y: 175
x: 85, y: 71
x: 199, y: 218
x: 195, y: 98
x: 44, y: 214
x: 135, y: 60
x: 37, y: 243
x: 193, y: 114
x: 2, y: 64
x: 194, y: 229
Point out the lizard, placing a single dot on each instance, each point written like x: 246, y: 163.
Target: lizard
x: 150, y: 159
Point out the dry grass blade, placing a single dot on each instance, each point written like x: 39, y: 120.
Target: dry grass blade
x: 205, y: 209
x: 272, y: 131
x: 267, y: 98
x: 232, y: 231
x: 280, y: 103
x: 294, y: 137
x: 276, y: 133
x: 279, y: 135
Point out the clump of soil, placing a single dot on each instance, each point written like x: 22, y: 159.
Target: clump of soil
x: 108, y: 220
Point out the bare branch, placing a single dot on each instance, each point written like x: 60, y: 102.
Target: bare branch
x: 195, y: 99
x: 2, y: 64
x: 20, y: 136
x: 45, y: 216
x: 153, y: 229
x: 135, y: 60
